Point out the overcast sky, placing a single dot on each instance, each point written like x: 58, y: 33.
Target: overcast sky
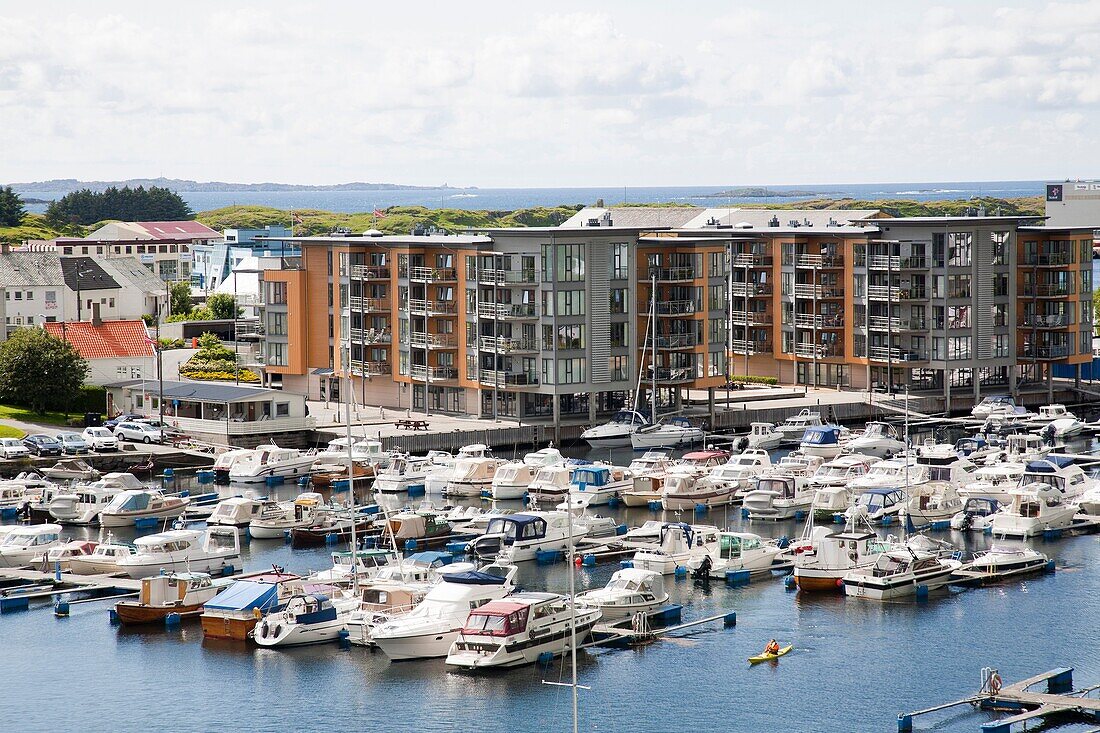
x: 550, y: 94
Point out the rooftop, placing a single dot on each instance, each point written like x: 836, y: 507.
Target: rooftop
x: 85, y: 273
x: 633, y: 217
x: 108, y: 340
x: 199, y: 391
x: 30, y: 269
x: 182, y: 231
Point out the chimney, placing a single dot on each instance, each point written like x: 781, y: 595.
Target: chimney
x: 96, y: 320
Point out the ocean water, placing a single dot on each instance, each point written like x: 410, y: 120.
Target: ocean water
x: 507, y: 199
x: 856, y: 664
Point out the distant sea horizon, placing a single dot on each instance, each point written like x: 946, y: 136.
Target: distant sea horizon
x: 508, y: 199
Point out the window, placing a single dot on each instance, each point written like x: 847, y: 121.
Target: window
x: 570, y: 263
x: 958, y: 252
x: 19, y: 295
x: 547, y: 371
x: 717, y: 330
x: 618, y: 301
x: 1000, y: 240
x: 276, y: 353
x: 1000, y: 285
x: 51, y: 299
x: 620, y: 264
x: 958, y: 316
x: 110, y: 302
x: 1000, y: 345
x: 570, y: 302
x: 617, y: 366
x: 717, y: 264
x: 958, y: 286
x: 276, y: 293
x: 282, y: 409
x: 716, y: 297
x: 571, y: 336
x: 958, y: 347
x: 30, y: 295
x: 1000, y: 315
x: 619, y: 335
x: 570, y: 371
x: 276, y: 323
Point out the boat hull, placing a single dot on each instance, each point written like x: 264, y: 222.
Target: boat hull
x: 274, y: 633
x: 127, y: 519
x: 685, y: 502
x: 141, y: 568
x: 219, y: 626
x: 639, y: 498
x: 880, y: 589
x: 429, y: 645
x: 130, y: 612
x: 517, y: 653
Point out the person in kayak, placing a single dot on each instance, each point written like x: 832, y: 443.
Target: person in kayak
x: 772, y: 647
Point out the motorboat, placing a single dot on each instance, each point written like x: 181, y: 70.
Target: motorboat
x: 519, y: 630
x: 599, y: 484
x: 380, y: 602
x: 14, y: 496
x: 519, y: 537
x: 878, y: 505
x: 235, y: 611
x: 304, y: 511
x: 741, y: 471
x: 1050, y: 413
x: 103, y: 560
x: 133, y: 505
x: 936, y: 501
x: 827, y: 441
x: 179, y: 593
x: 551, y: 485
x: 706, y: 459
x: 737, y: 551
x: 335, y: 526
x: 898, y: 471
x: 22, y: 544
x: 210, y: 550
x: 680, y: 543
x: 472, y: 476
x: 842, y: 470
x: 350, y: 567
x: 309, y: 618
x: 1061, y: 429
x: 764, y: 436
x: 838, y: 483
x: 362, y: 450
x: 404, y: 473
x: 898, y: 573
x: 1033, y: 508
x: 994, y: 405
x: 823, y: 557
x: 224, y: 461
x: 993, y: 482
x: 648, y: 471
x: 778, y: 496
x: 629, y: 591
x: 236, y: 511
x: 324, y: 476
x: 82, y: 505
x: 441, y: 465
x: 61, y: 556
x: 512, y: 479
x: 71, y: 469
x: 793, y: 428
x: 423, y: 529
x: 616, y: 432
x: 878, y: 439
x: 976, y: 513
x: 430, y: 629
x: 670, y: 432
x: 686, y: 488
x: 1002, y: 561
x: 976, y: 447
x: 269, y: 461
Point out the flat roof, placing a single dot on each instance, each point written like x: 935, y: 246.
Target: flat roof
x: 948, y: 219
x: 385, y: 239
x: 198, y: 391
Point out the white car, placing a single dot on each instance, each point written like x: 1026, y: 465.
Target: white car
x: 13, y: 448
x: 138, y: 431
x: 100, y: 439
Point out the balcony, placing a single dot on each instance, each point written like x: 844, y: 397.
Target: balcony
x: 370, y: 272
x: 369, y: 305
x: 742, y: 346
x: 915, y: 324
x: 884, y: 262
x: 431, y: 307
x: 914, y: 294
x: 507, y: 311
x: 809, y: 320
x: 508, y: 277
x: 750, y: 290
x: 421, y: 373
x: 822, y: 261
x: 914, y: 263
x: 674, y: 341
x: 422, y: 340
x: 1048, y: 290
x: 1046, y: 352
x: 369, y: 336
x: 494, y: 378
x: 817, y: 351
x: 369, y: 368
x: 673, y: 375
x: 1041, y: 321
x: 676, y: 307
x: 1051, y: 259
x: 675, y: 274
x: 884, y: 292
x: 884, y: 323
x: 433, y: 274
x: 752, y: 260
x: 883, y: 353
x: 505, y: 345
x: 749, y: 318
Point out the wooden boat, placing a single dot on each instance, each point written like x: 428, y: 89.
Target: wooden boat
x: 324, y: 479
x: 160, y: 595
x: 234, y: 612
x: 770, y: 657
x: 317, y: 534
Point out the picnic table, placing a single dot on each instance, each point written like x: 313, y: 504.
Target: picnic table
x: 411, y: 424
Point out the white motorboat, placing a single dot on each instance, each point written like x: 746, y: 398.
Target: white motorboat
x: 519, y: 537
x: 686, y: 488
x: 878, y: 505
x: 137, y: 504
x: 898, y: 573
x: 1033, y: 508
x: 403, y: 473
x: 648, y: 471
x: 236, y: 511
x: 1001, y: 561
x: 598, y: 484
x: 224, y: 461
x: 617, y: 431
x: 430, y: 629
x: 272, y: 461
x: 842, y: 470
x: 827, y: 441
x: 1050, y: 413
x: 737, y: 551
x: 362, y: 450
x: 472, y: 476
x: 519, y: 629
x: 83, y: 504
x: 71, y: 469
x: 62, y: 555
x: 210, y: 550
x: 670, y: 432
x: 793, y: 428
x: 823, y: 558
x: 1062, y: 428
x: 993, y: 482
x: 778, y: 496
x: 21, y: 544
x: 976, y: 513
x: 680, y: 543
x: 379, y: 603
x: 310, y: 618
x: 741, y: 471
x: 994, y: 405
x: 512, y: 479
x: 103, y: 560
x: 349, y: 568
x: 551, y: 485
x: 935, y: 501
x: 14, y: 496
x: 764, y: 436
x: 441, y: 465
x: 878, y: 439
x: 629, y: 591
x: 304, y: 511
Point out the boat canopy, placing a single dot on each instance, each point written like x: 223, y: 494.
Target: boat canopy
x: 628, y: 417
x: 245, y: 595
x: 431, y: 558
x: 592, y: 476
x: 474, y: 577
x: 1050, y: 464
x: 518, y: 526
x: 822, y: 435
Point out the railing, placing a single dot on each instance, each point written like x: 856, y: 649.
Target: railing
x: 677, y: 341
x: 751, y: 260
x: 883, y: 292
x: 740, y: 289
x: 506, y: 310
x: 431, y: 307
x: 675, y: 374
x: 883, y: 353
x: 740, y: 346
x: 504, y: 344
x: 1052, y: 259
x: 232, y: 427
x: 884, y: 262
x: 434, y: 374
x: 433, y: 340
x: 914, y: 263
x: 914, y: 324
x: 675, y: 274
x: 676, y: 307
x: 749, y: 318
x: 1046, y: 352
x: 508, y: 277
x: 1048, y: 290
x: 1040, y: 321
x: 433, y: 274
x: 510, y: 379
x: 913, y: 294
x: 370, y: 272
x: 829, y: 261
x: 819, y: 351
x: 884, y: 323
x: 369, y: 368
x: 369, y: 336
x: 958, y: 293
x: 369, y: 305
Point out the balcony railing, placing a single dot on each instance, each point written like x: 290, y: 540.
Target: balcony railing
x: 913, y: 294
x: 675, y: 274
x: 742, y: 290
x: 508, y: 277
x: 369, y: 368
x: 506, y: 379
x: 819, y: 351
x: 435, y: 374
x: 504, y: 345
x: 433, y: 274
x: 884, y: 262
x: 676, y: 307
x: 883, y: 353
x: 1046, y: 352
x: 825, y: 261
x: 914, y: 263
x: 673, y: 375
x: 370, y: 272
x: 817, y: 291
x: 1040, y: 321
x: 739, y: 346
x: 507, y: 310
x: 749, y: 318
x: 419, y: 339
x: 914, y: 324
x: 883, y: 292
x: 431, y: 307
x: 369, y: 305
x: 1050, y: 259
x: 1048, y: 290
x: 369, y: 336
x: 884, y: 323
x: 677, y: 341
x: 751, y: 260
x: 192, y: 425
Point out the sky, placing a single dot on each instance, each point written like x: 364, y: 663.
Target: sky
x: 501, y: 94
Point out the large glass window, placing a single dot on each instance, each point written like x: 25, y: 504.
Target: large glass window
x: 570, y: 371
x: 620, y: 264
x: 571, y: 303
x: 570, y: 263
x: 571, y: 336
x: 958, y: 252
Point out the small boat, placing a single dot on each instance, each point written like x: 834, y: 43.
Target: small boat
x: 213, y: 549
x: 423, y: 529
x: 764, y: 436
x: 512, y: 479
x: 310, y: 618
x: 1049, y: 413
x: 84, y: 504
x: 135, y: 504
x: 671, y: 432
x: 878, y: 439
x: 519, y: 629
x: 617, y: 431
x: 103, y: 560
x: 629, y: 591
x: 441, y: 466
x: 63, y: 555
x: 648, y: 471
x: 741, y: 471
x: 686, y: 488
x: 793, y: 428
x: 599, y: 484
x: 737, y: 551
x: 826, y: 441
x: 936, y: 501
x: 768, y: 657
x: 879, y: 505
x: 822, y: 558
x: 898, y: 573
x: 976, y: 513
x: 225, y: 460
x: 995, y: 405
x: 333, y: 527
x: 778, y: 496
x: 236, y: 511
x: 270, y: 461
x: 22, y: 544
x: 999, y: 562
x: 324, y: 476
x: 551, y: 485
x: 403, y: 473
x: 1060, y: 429
x: 472, y: 476
x: 160, y: 595
x: 234, y: 612
x: 680, y: 544
x: 348, y: 567
x: 71, y: 469
x: 379, y: 603
x: 519, y: 537
x: 842, y: 470
x: 304, y: 511
x: 1033, y: 508
x: 993, y: 482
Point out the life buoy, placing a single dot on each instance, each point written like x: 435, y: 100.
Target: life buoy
x: 995, y: 683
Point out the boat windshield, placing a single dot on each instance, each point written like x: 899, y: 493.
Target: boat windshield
x: 495, y: 624
x: 782, y: 487
x: 129, y: 502
x: 890, y: 565
x: 818, y: 437
x: 17, y: 540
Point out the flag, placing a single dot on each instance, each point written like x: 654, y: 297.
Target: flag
x: 296, y: 218
x: 378, y: 213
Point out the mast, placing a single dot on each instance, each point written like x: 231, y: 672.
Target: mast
x: 653, y: 344
x: 572, y: 610
x: 351, y: 487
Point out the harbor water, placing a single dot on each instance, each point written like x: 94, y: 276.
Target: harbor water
x: 855, y: 665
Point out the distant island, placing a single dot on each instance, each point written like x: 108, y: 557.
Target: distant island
x: 759, y: 192
x: 68, y: 185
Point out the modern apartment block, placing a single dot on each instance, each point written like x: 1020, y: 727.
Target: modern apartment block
x: 560, y: 322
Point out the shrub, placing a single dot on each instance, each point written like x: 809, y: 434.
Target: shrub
x: 752, y: 379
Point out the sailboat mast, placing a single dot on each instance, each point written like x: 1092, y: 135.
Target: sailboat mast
x: 653, y: 344
x: 572, y: 612
x: 351, y: 487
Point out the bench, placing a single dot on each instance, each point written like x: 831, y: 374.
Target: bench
x: 412, y: 424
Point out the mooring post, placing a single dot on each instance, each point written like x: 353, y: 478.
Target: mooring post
x: 905, y: 723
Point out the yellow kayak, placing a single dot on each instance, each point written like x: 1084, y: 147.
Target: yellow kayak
x: 768, y: 657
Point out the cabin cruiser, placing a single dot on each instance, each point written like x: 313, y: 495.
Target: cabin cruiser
x: 362, y: 450
x: 71, y: 469
x: 827, y: 441
x: 441, y: 465
x: 512, y: 479
x: 519, y: 629
x: 670, y: 432
x: 599, y: 484
x: 976, y: 513
x: 1060, y: 429
x: 472, y: 476
x: 519, y: 537
x: 824, y: 557
x: 236, y: 511
x: 1050, y: 413
x: 103, y: 560
x: 22, y: 544
x: 679, y: 544
x: 878, y: 439
x: 994, y: 405
x: 842, y: 470
x: 686, y: 488
x: 302, y: 512
x: 134, y: 504
x: 350, y: 567
x: 82, y: 505
x: 271, y: 460
x: 993, y: 482
x: 898, y: 572
x: 617, y: 431
x: 629, y: 591
x: 899, y: 471
x: 551, y: 485
x: 878, y: 505
x: 649, y: 471
x: 403, y: 473
x: 737, y: 551
x: 179, y: 593
x: 62, y: 555
x: 210, y: 550
x: 430, y: 629
x: 14, y: 496
x: 763, y: 435
x: 1033, y: 508
x: 793, y: 428
x: 379, y: 603
x: 741, y: 471
x: 427, y: 528
x: 1001, y: 561
x: 936, y: 501
x: 225, y: 460
x: 976, y: 448
x: 837, y: 483
x: 309, y: 618
x: 778, y: 496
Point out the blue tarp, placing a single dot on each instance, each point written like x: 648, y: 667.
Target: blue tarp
x: 1044, y: 465
x: 473, y: 577
x: 245, y: 595
x: 431, y: 557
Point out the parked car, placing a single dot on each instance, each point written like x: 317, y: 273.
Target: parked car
x: 100, y: 439
x: 124, y: 417
x: 73, y: 443
x: 138, y: 431
x: 41, y: 444
x: 13, y: 448
x: 167, y: 430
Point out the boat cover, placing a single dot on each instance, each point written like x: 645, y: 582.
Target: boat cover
x: 431, y: 558
x: 1049, y: 464
x: 473, y: 577
x: 245, y: 595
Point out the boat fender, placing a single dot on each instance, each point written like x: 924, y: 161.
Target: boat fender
x: 278, y: 631
x: 840, y: 582
x: 264, y: 629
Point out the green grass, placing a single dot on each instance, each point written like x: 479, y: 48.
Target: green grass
x: 14, y: 412
x: 7, y: 431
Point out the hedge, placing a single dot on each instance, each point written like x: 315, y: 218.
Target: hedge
x: 245, y: 375
x: 750, y: 379
x: 90, y: 399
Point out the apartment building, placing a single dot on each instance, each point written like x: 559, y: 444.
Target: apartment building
x: 164, y: 247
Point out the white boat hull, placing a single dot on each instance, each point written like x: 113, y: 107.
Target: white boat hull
x: 278, y: 633
x: 284, y: 469
x: 520, y: 653
x: 138, y: 568
x: 880, y: 589
x: 426, y: 645
x: 509, y: 491
x: 127, y: 519
x: 1014, y: 525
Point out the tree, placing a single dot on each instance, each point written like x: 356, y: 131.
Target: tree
x: 179, y: 298
x: 128, y: 204
x: 39, y: 371
x: 11, y: 208
x: 223, y: 306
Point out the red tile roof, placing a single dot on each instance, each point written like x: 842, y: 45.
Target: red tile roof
x: 109, y: 340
